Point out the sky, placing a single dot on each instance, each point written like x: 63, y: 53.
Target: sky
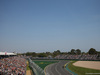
x: 49, y: 25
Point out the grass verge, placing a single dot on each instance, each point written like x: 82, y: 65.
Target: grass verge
x: 43, y: 64
x: 81, y: 70
x: 28, y: 68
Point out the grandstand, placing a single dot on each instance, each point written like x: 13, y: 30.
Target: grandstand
x: 11, y: 64
x: 79, y: 57
x: 6, y: 54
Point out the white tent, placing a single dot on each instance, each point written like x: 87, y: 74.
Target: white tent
x: 7, y: 53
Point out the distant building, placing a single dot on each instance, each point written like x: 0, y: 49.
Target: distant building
x: 7, y: 53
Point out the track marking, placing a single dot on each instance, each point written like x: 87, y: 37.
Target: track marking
x: 50, y: 69
x: 65, y: 67
x: 57, y: 70
x: 53, y: 69
x: 46, y: 71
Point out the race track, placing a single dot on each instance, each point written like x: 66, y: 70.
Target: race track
x: 57, y: 69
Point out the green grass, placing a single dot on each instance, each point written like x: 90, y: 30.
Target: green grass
x: 81, y: 70
x: 43, y: 64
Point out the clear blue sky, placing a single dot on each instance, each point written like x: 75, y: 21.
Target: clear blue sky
x: 48, y: 25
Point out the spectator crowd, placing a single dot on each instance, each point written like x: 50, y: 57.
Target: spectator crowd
x: 78, y: 57
x: 13, y: 66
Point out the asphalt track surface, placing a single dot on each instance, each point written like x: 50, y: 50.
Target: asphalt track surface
x: 57, y: 69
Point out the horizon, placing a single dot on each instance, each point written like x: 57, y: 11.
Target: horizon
x: 47, y: 26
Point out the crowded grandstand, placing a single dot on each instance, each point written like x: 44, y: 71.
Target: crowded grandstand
x: 79, y: 57
x: 72, y: 57
x: 10, y: 64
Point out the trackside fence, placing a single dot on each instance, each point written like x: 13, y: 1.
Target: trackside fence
x: 35, y: 68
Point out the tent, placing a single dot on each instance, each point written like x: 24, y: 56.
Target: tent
x: 7, y: 53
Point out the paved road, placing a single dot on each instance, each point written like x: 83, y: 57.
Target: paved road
x: 57, y: 69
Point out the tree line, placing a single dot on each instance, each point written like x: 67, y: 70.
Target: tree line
x: 91, y: 51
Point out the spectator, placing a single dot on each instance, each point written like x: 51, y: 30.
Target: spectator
x: 13, y: 66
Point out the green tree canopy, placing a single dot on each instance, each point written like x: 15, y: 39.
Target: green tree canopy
x: 78, y: 51
x: 31, y: 54
x: 92, y: 51
x: 55, y: 53
x: 73, y: 51
x: 42, y: 55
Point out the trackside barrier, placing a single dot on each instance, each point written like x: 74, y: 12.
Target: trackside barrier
x: 35, y: 68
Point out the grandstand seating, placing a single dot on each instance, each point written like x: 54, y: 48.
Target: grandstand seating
x: 13, y: 66
x: 78, y: 57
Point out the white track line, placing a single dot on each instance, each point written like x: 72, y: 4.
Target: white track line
x: 48, y: 72
x: 57, y: 70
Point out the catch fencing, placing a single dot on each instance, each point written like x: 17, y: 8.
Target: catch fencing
x: 35, y: 68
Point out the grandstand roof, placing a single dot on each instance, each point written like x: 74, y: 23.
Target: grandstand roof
x: 7, y: 53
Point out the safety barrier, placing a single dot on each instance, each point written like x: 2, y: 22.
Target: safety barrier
x: 35, y: 68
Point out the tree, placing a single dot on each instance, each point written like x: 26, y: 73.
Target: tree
x: 34, y: 54
x: 55, y: 53
x: 78, y: 51
x: 42, y: 55
x: 48, y: 53
x: 98, y: 52
x: 64, y: 53
x: 83, y: 53
x: 92, y: 51
x: 31, y: 54
x: 73, y: 51
x: 58, y: 51
x: 28, y: 54
x: 69, y: 52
